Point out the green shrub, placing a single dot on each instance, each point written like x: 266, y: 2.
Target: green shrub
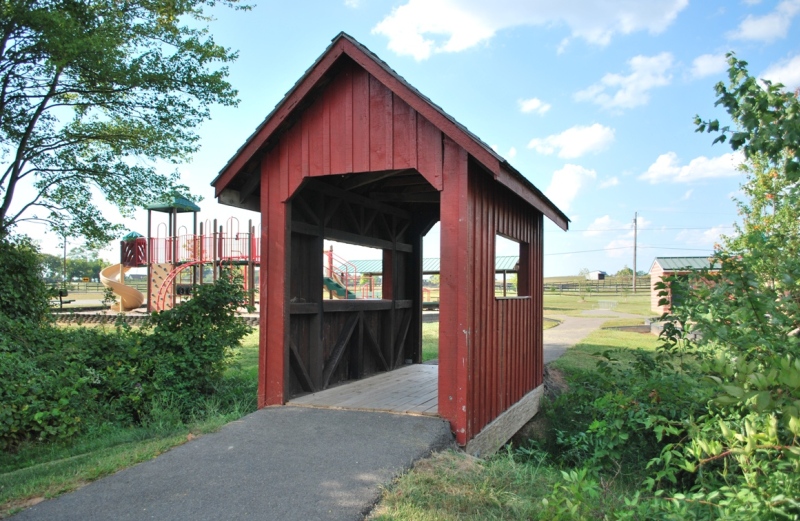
x: 22, y: 289
x: 57, y: 382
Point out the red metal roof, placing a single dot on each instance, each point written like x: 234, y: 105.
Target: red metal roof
x: 344, y: 44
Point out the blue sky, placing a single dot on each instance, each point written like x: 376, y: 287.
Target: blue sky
x: 593, y: 101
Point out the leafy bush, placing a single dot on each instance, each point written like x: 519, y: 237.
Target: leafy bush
x: 22, y: 289
x: 57, y: 382
x: 732, y: 343
x: 193, y: 342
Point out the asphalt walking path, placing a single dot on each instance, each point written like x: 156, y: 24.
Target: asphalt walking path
x: 279, y: 463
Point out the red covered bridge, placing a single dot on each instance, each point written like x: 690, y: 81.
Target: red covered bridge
x: 353, y: 153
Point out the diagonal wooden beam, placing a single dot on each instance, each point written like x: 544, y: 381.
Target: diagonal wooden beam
x: 338, y: 350
x: 300, y: 370
x: 359, y: 180
x: 302, y: 205
x: 401, y: 337
x: 252, y: 182
x: 392, y: 197
x: 376, y: 348
x: 330, y: 208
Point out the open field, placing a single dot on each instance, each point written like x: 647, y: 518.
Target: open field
x: 570, y: 304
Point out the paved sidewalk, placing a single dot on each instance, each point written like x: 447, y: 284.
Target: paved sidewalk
x: 279, y: 463
x: 574, y: 329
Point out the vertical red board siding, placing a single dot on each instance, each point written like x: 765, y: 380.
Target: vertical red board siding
x: 380, y: 126
x: 361, y: 143
x: 404, y: 129
x: 506, y: 355
x: 455, y: 293
x: 295, y: 160
x: 312, y: 122
x: 339, y: 98
x: 272, y: 360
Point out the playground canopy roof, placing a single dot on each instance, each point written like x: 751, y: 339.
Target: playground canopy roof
x: 173, y: 202
x: 430, y: 266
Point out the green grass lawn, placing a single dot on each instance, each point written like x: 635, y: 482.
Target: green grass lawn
x: 40, y: 471
x: 574, y: 305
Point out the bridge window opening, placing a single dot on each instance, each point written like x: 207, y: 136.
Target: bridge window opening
x: 510, y: 259
x: 351, y: 271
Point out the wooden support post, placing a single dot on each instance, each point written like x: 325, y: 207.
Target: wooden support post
x: 251, y: 270
x: 455, y: 298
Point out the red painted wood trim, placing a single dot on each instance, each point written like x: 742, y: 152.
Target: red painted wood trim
x: 273, y: 338
x: 456, y: 294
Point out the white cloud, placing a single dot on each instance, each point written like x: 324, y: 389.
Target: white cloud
x: 769, y: 27
x: 512, y: 152
x: 619, y: 248
x: 687, y: 195
x: 566, y: 183
x: 575, y: 142
x: 420, y: 28
x: 708, y: 65
x: 615, y: 91
x: 352, y: 3
x: 608, y: 183
x: 703, y: 237
x: 667, y: 168
x: 533, y: 105
x: 600, y: 225
x: 786, y: 72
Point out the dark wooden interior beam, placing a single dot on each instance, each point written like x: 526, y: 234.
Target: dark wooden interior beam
x: 332, y: 191
x: 394, y: 197
x: 338, y: 350
x: 376, y: 348
x: 252, y: 181
x: 416, y: 180
x: 300, y: 370
x: 401, y: 338
x: 359, y: 180
x: 349, y: 238
x: 231, y: 197
x: 302, y: 205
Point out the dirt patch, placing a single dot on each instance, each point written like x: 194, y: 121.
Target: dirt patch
x: 537, y: 428
x: 554, y: 383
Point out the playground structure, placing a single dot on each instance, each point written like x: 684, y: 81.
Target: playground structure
x: 177, y: 260
x: 114, y: 277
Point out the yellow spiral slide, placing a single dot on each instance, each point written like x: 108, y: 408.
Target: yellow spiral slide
x: 129, y: 298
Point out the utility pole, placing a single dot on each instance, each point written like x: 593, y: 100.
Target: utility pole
x: 635, y: 230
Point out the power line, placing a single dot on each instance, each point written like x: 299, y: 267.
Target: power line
x: 628, y: 248
x: 641, y: 230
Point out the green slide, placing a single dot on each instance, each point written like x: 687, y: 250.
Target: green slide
x: 337, y: 289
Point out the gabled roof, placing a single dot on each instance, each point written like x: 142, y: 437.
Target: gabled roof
x: 684, y: 263
x: 343, y: 44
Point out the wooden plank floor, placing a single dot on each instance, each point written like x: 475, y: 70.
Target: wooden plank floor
x: 411, y: 389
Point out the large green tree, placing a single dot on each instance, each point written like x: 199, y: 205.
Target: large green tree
x: 92, y: 94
